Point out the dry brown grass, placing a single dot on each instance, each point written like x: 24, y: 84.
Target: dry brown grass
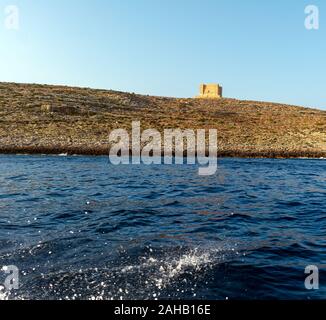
x: 57, y: 119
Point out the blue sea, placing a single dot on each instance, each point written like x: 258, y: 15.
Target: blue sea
x: 81, y: 228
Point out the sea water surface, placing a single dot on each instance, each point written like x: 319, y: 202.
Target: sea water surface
x: 81, y: 228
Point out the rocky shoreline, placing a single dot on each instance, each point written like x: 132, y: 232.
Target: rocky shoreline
x: 41, y: 119
x: 102, y: 151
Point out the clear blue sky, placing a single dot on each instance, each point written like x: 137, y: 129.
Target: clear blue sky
x: 256, y: 49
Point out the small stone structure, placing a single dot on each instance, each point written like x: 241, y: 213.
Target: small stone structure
x: 210, y: 91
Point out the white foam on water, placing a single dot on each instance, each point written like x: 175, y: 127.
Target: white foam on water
x: 160, y: 273
x: 3, y: 294
x: 150, y: 277
x: 168, y: 270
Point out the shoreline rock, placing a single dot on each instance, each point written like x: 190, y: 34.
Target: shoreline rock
x: 42, y: 119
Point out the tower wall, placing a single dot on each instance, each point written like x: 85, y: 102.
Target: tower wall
x: 210, y: 91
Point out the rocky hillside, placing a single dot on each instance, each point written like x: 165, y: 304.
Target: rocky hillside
x: 57, y: 119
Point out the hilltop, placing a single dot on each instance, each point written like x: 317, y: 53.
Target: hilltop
x: 59, y: 119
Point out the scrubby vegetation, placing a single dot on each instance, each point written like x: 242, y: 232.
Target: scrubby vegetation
x: 57, y: 119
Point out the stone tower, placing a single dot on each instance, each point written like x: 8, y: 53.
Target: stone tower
x: 210, y: 91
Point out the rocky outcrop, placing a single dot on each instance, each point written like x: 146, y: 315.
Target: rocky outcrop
x: 40, y: 118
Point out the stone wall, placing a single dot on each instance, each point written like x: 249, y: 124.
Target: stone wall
x: 210, y: 91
